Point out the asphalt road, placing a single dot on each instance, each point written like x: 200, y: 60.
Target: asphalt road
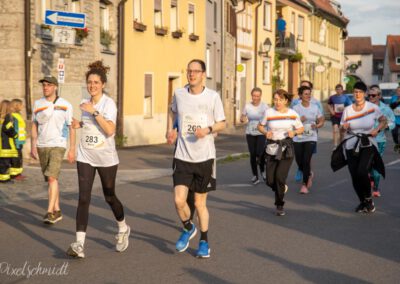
x: 320, y: 240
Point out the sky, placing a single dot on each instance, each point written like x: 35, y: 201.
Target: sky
x: 374, y: 18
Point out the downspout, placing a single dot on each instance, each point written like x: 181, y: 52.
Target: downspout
x: 120, y: 69
x: 27, y: 58
x: 236, y: 62
x: 256, y: 45
x: 222, y: 7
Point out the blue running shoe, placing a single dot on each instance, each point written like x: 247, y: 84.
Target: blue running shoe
x: 204, y: 250
x: 299, y: 176
x: 183, y: 241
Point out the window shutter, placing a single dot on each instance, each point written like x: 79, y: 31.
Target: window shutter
x: 148, y: 85
x: 191, y: 8
x: 157, y: 5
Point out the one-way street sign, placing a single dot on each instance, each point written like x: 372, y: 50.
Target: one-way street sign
x: 65, y: 19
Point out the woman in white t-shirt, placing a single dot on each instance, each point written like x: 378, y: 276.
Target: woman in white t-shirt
x: 279, y: 125
x: 304, y: 144
x: 96, y: 152
x: 253, y: 113
x: 359, y: 119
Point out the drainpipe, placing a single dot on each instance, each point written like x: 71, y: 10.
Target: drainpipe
x: 120, y: 69
x: 27, y: 58
x: 256, y: 44
x: 236, y: 61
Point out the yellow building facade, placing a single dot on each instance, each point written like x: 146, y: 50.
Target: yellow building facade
x: 160, y: 38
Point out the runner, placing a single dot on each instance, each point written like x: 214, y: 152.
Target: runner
x: 361, y: 151
x: 200, y: 114
x: 51, y: 126
x: 252, y: 113
x: 374, y: 95
x: 299, y: 174
x: 8, y: 150
x: 96, y: 152
x: 279, y: 125
x: 395, y: 106
x: 304, y: 145
x: 336, y: 105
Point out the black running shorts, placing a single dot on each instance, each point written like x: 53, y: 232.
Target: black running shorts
x: 198, y: 177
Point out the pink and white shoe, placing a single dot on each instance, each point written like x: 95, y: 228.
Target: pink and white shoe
x: 303, y: 189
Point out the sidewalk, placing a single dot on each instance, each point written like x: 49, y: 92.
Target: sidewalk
x: 136, y: 164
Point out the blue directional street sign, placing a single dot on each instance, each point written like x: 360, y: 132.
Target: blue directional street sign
x: 65, y: 19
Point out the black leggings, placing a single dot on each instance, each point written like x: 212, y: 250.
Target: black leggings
x: 256, y: 144
x: 86, y: 174
x: 277, y: 172
x: 395, y: 134
x: 359, y: 166
x: 303, y: 152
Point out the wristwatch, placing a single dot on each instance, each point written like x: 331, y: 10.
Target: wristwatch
x: 95, y: 113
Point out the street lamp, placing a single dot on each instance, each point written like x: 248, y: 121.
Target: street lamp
x: 265, y: 47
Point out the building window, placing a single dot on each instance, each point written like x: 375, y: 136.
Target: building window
x: 137, y: 11
x: 300, y: 28
x: 397, y: 60
x: 191, y: 19
x: 148, y: 95
x: 292, y: 23
x: 398, y: 76
x: 267, y: 16
x: 208, y: 61
x: 380, y: 77
x: 231, y: 20
x: 267, y: 70
x: 174, y: 15
x: 104, y: 17
x: 158, y: 13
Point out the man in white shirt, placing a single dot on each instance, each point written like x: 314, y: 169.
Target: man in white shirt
x: 51, y: 126
x: 200, y: 113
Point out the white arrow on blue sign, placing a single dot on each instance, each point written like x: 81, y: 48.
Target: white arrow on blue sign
x: 65, y: 19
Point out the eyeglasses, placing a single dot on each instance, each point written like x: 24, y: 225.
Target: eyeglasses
x: 194, y: 71
x: 372, y: 95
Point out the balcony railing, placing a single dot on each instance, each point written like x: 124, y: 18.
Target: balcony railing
x: 287, y: 47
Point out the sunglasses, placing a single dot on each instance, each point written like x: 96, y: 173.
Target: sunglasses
x: 372, y: 95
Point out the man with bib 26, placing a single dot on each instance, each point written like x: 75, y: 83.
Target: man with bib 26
x: 200, y: 114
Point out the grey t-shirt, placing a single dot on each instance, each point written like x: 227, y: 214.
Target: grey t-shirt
x: 194, y: 111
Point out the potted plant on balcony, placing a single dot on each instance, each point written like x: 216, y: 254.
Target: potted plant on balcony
x: 298, y: 56
x: 139, y: 26
x: 45, y: 31
x: 177, y: 34
x: 106, y: 39
x: 81, y: 34
x: 193, y: 37
x: 160, y: 30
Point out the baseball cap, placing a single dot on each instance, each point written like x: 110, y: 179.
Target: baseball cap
x: 49, y: 79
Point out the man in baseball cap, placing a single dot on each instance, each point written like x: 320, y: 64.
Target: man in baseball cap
x: 49, y: 79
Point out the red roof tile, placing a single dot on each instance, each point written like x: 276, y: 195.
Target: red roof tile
x: 378, y: 51
x: 326, y: 6
x: 393, y: 49
x: 358, y: 45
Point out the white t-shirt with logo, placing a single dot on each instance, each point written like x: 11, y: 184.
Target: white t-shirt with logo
x: 362, y: 121
x: 196, y: 111
x: 95, y: 148
x: 311, y: 113
x: 254, y: 114
x: 53, y: 122
x: 280, y: 123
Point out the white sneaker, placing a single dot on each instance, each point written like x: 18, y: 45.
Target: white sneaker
x: 286, y: 188
x: 122, y: 240
x: 76, y: 250
x: 264, y: 176
x: 255, y: 180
